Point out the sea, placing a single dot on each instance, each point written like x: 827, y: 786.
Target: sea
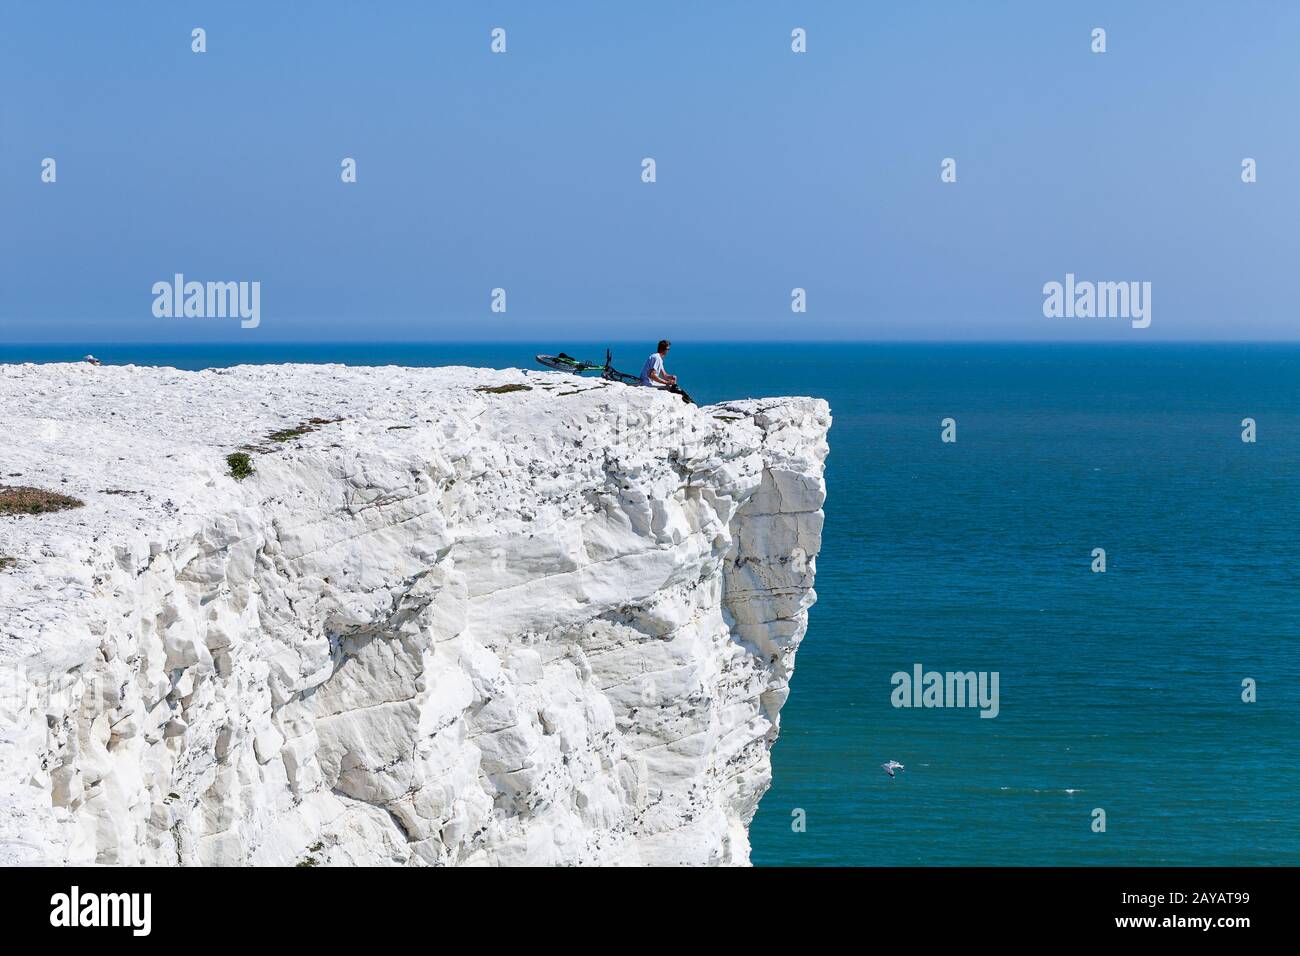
x: 1146, y: 714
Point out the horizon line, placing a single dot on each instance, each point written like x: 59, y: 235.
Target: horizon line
x: 83, y: 343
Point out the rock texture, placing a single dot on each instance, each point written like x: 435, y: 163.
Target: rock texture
x: 443, y: 622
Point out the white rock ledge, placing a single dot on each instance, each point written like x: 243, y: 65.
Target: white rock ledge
x: 543, y: 626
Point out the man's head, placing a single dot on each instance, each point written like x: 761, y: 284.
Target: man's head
x: 664, y: 346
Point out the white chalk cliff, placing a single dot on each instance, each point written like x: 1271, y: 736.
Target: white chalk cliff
x: 440, y: 624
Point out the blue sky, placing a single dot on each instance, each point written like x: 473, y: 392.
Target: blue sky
x: 523, y: 171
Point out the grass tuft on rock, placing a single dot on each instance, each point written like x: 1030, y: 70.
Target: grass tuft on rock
x: 241, y: 466
x: 20, y: 500
x: 306, y: 428
x: 503, y: 389
x: 7, y: 562
x: 285, y: 434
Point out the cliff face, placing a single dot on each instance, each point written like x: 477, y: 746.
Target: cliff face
x: 443, y: 622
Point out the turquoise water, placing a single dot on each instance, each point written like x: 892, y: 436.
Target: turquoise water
x: 1124, y: 687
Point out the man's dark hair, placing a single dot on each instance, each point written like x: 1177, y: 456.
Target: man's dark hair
x: 663, y: 344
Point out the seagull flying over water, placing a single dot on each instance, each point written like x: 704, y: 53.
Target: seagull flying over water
x: 890, y: 767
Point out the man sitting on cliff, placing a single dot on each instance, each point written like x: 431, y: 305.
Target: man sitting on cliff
x: 654, y: 376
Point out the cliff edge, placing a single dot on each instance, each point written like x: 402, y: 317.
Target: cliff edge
x: 453, y: 616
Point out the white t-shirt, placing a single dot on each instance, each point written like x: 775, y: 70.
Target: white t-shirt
x: 655, y: 363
